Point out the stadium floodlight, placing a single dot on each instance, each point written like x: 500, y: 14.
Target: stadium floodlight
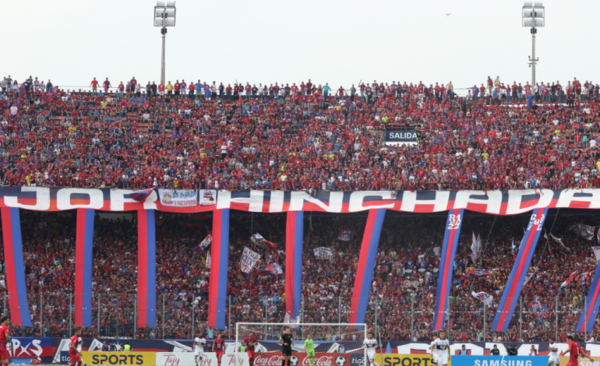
x: 164, y: 16
x: 533, y: 17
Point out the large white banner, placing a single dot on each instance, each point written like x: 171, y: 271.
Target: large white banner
x: 209, y: 359
x: 178, y: 198
x: 249, y: 259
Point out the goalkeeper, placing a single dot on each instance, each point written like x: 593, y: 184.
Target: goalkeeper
x: 310, y: 350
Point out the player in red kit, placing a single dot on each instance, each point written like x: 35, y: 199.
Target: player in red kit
x: 4, y: 341
x: 218, y: 347
x: 249, y: 343
x: 74, y: 355
x: 575, y: 351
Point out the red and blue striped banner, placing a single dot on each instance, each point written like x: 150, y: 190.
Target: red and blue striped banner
x: 83, y: 267
x: 293, y: 261
x: 588, y: 316
x: 452, y: 232
x: 15, y: 270
x: 219, y: 256
x: 366, y: 265
x: 512, y: 291
x: 146, y: 296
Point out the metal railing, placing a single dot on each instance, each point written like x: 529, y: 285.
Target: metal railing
x: 408, y: 316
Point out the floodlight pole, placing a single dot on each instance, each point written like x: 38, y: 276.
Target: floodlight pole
x: 163, y: 31
x: 532, y: 58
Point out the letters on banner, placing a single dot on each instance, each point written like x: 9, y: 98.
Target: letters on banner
x: 249, y: 259
x: 508, y: 202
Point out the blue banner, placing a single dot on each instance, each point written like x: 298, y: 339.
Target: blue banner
x: 513, y: 287
x: 451, y: 234
x: 499, y: 360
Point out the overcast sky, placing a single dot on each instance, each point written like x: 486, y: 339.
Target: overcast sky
x: 265, y: 41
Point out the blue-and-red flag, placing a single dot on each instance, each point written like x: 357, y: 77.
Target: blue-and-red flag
x: 146, y: 298
x: 293, y: 261
x: 271, y: 269
x: 366, y: 265
x: 83, y: 267
x: 452, y: 232
x: 511, y: 293
x: 15, y: 270
x: 141, y: 195
x: 588, y: 316
x: 219, y: 256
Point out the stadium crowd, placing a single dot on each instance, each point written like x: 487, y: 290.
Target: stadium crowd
x: 299, y: 137
x: 402, y: 296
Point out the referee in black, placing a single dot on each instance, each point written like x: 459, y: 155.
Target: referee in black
x: 286, y: 340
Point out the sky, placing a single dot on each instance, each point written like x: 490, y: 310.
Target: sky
x: 340, y: 42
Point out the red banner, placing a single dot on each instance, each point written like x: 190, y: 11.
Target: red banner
x: 300, y: 359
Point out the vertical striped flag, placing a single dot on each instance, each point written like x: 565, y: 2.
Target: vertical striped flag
x: 293, y: 261
x: 512, y: 291
x: 83, y: 267
x: 366, y: 265
x: 452, y: 232
x: 15, y: 269
x: 146, y: 297
x: 219, y: 256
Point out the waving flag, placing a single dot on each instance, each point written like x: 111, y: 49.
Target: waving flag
x: 484, y: 297
x: 141, y: 195
x: 474, y: 251
x: 263, y: 243
x: 567, y: 281
x: 513, y: 287
x: 585, y: 231
x: 537, y: 309
x: 345, y: 235
x: 585, y: 277
x: 271, y: 269
x: 204, y: 243
x: 515, y: 248
x: 478, y: 273
x: 452, y: 232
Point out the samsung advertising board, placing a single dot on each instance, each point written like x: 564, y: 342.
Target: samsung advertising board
x: 401, y: 137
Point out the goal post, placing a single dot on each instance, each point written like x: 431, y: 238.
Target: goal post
x: 321, y: 332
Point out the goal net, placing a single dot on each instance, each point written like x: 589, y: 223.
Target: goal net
x: 328, y: 338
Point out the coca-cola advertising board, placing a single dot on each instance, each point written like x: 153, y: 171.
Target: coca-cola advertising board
x: 209, y: 359
x: 300, y: 359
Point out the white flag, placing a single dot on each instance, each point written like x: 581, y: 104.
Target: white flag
x: 249, y: 259
x: 474, y: 249
x: 596, y: 252
x: 483, y: 297
x: 323, y: 253
x: 208, y: 261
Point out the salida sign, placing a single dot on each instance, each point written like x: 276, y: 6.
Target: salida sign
x: 300, y: 359
x: 401, y: 137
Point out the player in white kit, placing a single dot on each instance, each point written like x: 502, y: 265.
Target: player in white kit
x: 199, y: 343
x: 553, y: 353
x: 440, y: 350
x: 371, y: 345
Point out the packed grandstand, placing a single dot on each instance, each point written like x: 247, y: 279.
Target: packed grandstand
x: 307, y: 137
